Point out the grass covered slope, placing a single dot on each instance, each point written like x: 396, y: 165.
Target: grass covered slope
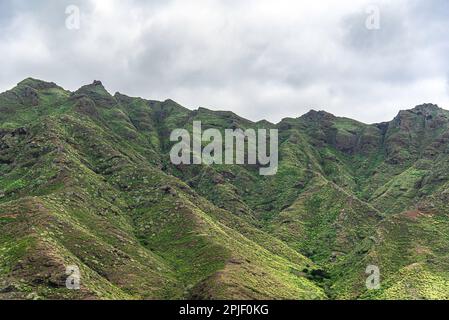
x: 83, y: 183
x: 86, y: 180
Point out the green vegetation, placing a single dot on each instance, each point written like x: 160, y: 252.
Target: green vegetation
x: 85, y: 180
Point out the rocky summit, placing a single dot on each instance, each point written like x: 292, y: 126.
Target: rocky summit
x: 86, y: 181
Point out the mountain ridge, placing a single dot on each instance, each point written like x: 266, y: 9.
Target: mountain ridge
x: 42, y: 83
x: 86, y: 180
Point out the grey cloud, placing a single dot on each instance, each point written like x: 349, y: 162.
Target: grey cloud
x: 391, y: 36
x: 260, y: 59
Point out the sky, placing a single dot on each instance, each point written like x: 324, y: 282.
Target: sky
x: 262, y: 59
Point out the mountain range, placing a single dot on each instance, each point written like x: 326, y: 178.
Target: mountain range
x: 86, y: 180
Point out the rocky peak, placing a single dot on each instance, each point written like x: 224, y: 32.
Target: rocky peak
x: 428, y: 116
x: 97, y: 92
x: 94, y: 87
x: 426, y: 108
x: 37, y: 84
x: 318, y: 116
x: 319, y: 113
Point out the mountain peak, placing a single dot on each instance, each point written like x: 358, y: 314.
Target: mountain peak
x: 426, y: 107
x: 95, y: 87
x: 98, y: 93
x: 427, y: 110
x: 96, y: 84
x: 37, y: 84
x: 313, y: 114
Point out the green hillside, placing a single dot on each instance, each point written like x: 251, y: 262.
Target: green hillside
x: 86, y: 180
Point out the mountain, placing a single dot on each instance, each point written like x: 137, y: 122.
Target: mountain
x: 86, y: 181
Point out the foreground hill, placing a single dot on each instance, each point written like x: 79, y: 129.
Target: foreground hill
x: 86, y: 180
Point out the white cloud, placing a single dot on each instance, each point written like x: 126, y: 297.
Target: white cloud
x: 261, y: 59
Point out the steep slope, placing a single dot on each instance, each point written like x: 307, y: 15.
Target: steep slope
x: 86, y: 180
x: 383, y: 186
x: 84, y: 184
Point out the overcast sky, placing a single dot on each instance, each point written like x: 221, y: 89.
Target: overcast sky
x: 263, y: 59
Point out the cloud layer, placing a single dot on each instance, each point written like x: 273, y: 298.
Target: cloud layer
x: 262, y: 59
